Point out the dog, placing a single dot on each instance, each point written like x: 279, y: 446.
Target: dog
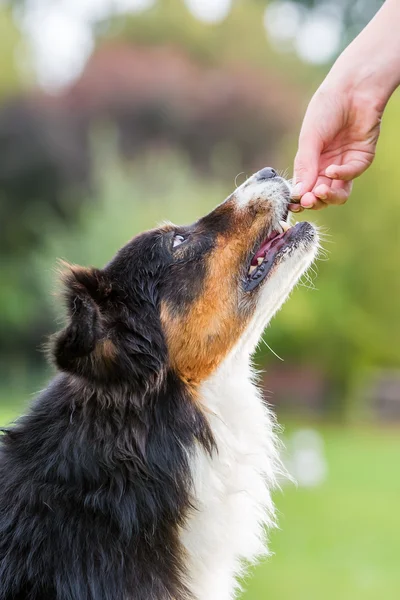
x: 144, y: 470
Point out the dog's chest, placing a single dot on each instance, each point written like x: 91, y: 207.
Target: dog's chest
x: 232, y: 488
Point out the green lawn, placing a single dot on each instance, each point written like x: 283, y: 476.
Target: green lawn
x: 340, y: 541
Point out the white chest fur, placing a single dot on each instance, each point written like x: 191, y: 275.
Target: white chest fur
x: 232, y: 489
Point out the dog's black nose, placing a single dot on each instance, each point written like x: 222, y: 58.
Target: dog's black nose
x: 267, y: 173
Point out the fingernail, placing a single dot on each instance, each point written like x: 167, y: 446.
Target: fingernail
x: 307, y: 203
x: 295, y: 208
x: 331, y: 172
x: 297, y: 191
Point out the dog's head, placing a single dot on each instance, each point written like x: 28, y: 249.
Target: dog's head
x: 181, y: 298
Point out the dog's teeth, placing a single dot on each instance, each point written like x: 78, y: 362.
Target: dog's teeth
x: 285, y: 226
x: 252, y: 269
x: 260, y: 260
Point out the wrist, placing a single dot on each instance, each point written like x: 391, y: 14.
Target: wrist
x: 370, y: 65
x: 369, y: 78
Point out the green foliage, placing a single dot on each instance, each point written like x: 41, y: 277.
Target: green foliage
x: 354, y: 15
x: 241, y: 37
x: 348, y: 323
x: 10, y: 42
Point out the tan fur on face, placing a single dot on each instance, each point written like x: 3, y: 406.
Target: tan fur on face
x: 199, y: 339
x: 105, y: 352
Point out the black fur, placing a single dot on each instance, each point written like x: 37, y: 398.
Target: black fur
x: 95, y: 481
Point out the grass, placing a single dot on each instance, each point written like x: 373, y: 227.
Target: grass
x: 340, y: 540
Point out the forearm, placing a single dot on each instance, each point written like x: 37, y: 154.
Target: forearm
x: 371, y: 63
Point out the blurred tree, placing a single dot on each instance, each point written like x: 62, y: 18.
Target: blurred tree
x: 44, y: 151
x: 351, y: 321
x: 10, y: 41
x: 170, y: 20
x: 240, y: 38
x: 354, y: 14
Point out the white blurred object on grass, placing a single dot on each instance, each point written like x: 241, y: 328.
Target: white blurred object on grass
x: 306, y: 461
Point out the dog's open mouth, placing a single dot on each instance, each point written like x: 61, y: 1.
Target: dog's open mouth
x: 272, y: 246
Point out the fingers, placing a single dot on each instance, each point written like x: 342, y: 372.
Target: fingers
x: 295, y: 207
x: 306, y: 165
x: 334, y: 194
x: 324, y: 194
x: 346, y: 172
x: 335, y: 187
x: 310, y: 201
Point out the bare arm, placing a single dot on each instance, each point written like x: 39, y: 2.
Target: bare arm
x: 342, y: 123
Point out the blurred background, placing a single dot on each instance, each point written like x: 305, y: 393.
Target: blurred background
x: 117, y: 114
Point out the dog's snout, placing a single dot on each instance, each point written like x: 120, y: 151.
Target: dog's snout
x: 267, y: 173
x: 264, y: 189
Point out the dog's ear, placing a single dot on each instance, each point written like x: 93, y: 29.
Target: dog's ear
x: 85, y: 291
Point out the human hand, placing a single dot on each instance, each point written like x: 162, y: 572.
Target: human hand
x: 337, y: 143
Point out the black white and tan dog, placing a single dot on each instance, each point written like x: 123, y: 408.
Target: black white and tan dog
x: 144, y: 470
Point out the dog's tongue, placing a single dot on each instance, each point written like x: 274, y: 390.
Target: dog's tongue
x: 264, y: 247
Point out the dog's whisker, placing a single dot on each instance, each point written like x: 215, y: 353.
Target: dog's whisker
x: 273, y: 351
x: 238, y: 175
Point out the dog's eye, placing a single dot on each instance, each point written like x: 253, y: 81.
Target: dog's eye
x: 178, y: 240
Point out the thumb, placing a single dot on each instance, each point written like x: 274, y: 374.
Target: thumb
x: 306, y: 165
